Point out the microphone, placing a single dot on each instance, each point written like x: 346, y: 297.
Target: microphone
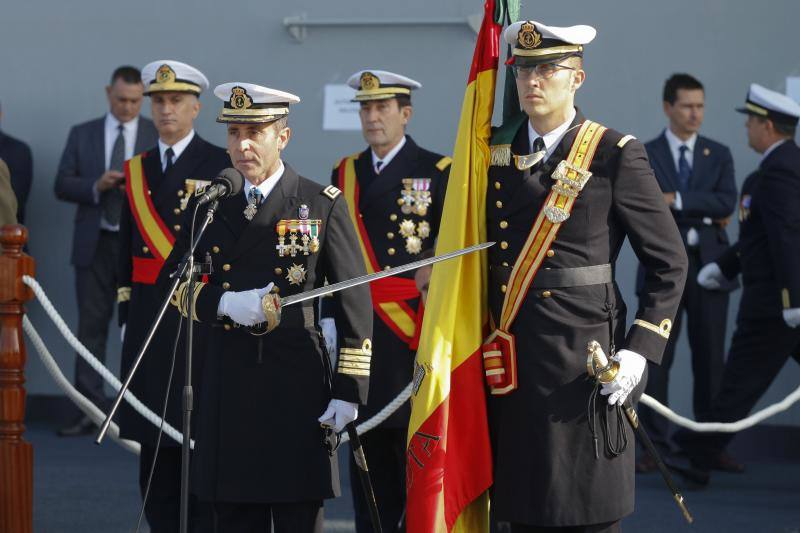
x: 228, y: 183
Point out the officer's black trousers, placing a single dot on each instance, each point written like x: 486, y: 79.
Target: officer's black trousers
x: 606, y: 527
x: 96, y: 289
x: 385, y: 451
x: 707, y: 316
x: 300, y: 517
x: 758, y: 351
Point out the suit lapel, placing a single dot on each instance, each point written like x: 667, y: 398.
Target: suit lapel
x: 140, y: 144
x: 192, y: 157
x: 97, y: 142
x: 699, y: 163
x: 665, y: 163
x: 282, y: 198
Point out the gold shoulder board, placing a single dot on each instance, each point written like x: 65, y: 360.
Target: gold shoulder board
x: 444, y: 163
x: 622, y: 142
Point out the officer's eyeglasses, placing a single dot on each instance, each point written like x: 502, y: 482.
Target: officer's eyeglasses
x: 542, y: 70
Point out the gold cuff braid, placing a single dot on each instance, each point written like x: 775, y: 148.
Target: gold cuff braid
x: 123, y: 294
x: 271, y: 305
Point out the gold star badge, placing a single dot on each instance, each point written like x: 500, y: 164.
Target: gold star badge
x: 296, y: 274
x: 413, y: 245
x: 407, y: 228
x: 423, y: 229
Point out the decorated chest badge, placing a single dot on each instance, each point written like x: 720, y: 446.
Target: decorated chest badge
x: 414, y: 234
x: 298, y: 236
x: 415, y: 197
x: 193, y: 188
x: 744, y: 207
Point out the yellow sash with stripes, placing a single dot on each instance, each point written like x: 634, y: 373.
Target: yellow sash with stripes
x: 152, y: 228
x: 571, y: 176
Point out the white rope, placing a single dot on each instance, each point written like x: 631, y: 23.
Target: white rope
x: 106, y: 374
x: 722, y: 427
x: 80, y: 400
x: 383, y: 414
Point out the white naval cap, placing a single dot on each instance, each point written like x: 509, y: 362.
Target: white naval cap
x: 251, y: 103
x: 770, y: 104
x: 380, y: 85
x: 532, y: 42
x: 167, y: 75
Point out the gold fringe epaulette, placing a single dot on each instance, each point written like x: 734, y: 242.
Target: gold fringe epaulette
x: 501, y: 155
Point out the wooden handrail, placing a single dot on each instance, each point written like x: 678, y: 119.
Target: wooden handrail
x: 16, y: 455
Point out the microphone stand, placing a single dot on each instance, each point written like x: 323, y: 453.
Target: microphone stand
x: 186, y: 267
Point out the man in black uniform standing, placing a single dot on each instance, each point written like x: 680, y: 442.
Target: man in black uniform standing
x: 696, y: 176
x: 564, y: 193
x: 395, y: 191
x: 768, y: 257
x: 158, y: 183
x: 261, y: 454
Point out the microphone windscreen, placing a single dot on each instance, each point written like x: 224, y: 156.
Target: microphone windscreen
x: 232, y: 178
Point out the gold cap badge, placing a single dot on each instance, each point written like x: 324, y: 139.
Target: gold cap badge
x: 369, y: 81
x: 240, y: 99
x: 528, y: 37
x: 165, y: 74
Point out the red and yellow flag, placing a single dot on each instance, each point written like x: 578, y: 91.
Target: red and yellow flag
x: 449, y: 462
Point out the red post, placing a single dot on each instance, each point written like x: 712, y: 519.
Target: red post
x: 16, y: 455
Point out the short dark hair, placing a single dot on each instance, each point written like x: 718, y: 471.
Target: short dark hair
x: 680, y: 81
x: 126, y: 73
x: 403, y: 100
x: 781, y: 128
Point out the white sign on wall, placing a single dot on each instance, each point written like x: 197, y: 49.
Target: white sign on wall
x: 339, y: 113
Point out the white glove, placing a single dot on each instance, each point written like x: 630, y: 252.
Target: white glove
x: 631, y: 368
x: 338, y: 414
x: 792, y: 317
x: 710, y: 277
x: 122, y: 332
x: 244, y: 307
x: 328, y: 326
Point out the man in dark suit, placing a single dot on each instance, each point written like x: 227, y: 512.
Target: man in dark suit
x: 17, y: 155
x: 159, y: 183
x: 696, y: 176
x: 261, y: 454
x: 767, y: 256
x: 90, y: 175
x: 395, y: 190
x: 564, y: 192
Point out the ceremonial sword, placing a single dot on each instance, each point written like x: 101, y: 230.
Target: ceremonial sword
x: 604, y: 371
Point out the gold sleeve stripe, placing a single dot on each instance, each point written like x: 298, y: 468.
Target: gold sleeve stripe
x: 787, y: 304
x: 663, y: 329
x: 123, y: 294
x: 354, y: 372
x: 366, y: 349
x: 622, y: 142
x: 355, y: 358
x: 331, y: 192
x: 360, y: 366
x: 444, y: 163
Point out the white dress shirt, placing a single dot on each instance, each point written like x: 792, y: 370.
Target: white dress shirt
x: 265, y: 186
x: 675, y: 143
x: 177, y: 149
x: 385, y: 160
x: 552, y: 138
x: 129, y: 131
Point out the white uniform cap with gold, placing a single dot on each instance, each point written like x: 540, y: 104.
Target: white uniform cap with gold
x: 532, y: 42
x: 380, y: 85
x: 763, y: 102
x: 251, y: 103
x: 167, y: 75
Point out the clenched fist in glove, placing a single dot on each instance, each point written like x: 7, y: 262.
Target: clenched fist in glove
x: 244, y: 307
x: 338, y: 414
x: 631, y: 369
x: 710, y: 277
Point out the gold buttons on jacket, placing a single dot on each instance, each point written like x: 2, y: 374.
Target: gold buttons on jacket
x: 546, y: 294
x: 177, y: 210
x: 226, y: 285
x: 145, y: 249
x: 180, y: 192
x: 176, y: 227
x: 392, y: 217
x: 387, y: 267
x: 227, y: 327
x: 226, y: 267
x: 497, y: 185
x: 278, y: 271
x: 390, y: 251
x: 550, y: 253
x: 390, y: 235
x: 276, y: 289
x: 505, y: 263
x: 503, y: 224
x: 503, y: 245
x: 499, y: 204
x: 215, y: 249
x: 503, y: 288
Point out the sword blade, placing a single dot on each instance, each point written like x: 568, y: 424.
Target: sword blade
x: 336, y: 287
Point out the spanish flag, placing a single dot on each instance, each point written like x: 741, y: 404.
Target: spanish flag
x: 449, y: 461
